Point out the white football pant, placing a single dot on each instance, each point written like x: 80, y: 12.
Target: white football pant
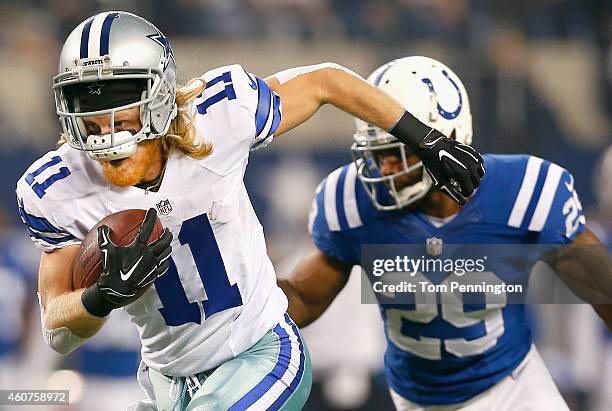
x: 529, y: 388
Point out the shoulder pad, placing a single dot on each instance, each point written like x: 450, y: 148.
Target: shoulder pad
x: 532, y: 194
x: 341, y: 202
x: 56, y: 181
x: 239, y: 112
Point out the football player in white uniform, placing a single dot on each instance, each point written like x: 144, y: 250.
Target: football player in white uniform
x: 214, y: 330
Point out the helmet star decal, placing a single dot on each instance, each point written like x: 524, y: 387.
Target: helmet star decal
x: 162, y: 40
x: 95, y: 88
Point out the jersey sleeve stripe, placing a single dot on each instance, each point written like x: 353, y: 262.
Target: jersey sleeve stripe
x: 553, y: 177
x: 53, y: 236
x: 53, y: 241
x: 266, y: 122
x: 525, y: 192
x: 41, y: 229
x: 340, y: 199
x: 351, y: 210
x: 37, y: 223
x: 312, y: 215
x: 267, y: 134
x: 331, y: 212
x: 277, y: 114
x: 314, y: 209
x: 264, y: 100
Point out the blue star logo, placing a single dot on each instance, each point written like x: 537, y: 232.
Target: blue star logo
x: 162, y: 40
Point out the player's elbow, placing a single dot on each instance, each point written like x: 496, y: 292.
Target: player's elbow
x: 61, y: 349
x: 332, y: 67
x: 62, y: 340
x: 332, y: 78
x: 298, y: 309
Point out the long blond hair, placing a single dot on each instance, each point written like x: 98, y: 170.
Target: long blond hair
x: 182, y: 133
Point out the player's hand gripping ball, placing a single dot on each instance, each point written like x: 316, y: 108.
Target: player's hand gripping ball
x: 120, y: 258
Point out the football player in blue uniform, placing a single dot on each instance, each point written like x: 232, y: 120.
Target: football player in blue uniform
x: 439, y: 356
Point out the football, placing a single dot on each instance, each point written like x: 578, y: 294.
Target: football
x: 124, y: 226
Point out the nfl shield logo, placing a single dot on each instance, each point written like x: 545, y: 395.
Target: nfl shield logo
x: 434, y: 246
x: 164, y: 207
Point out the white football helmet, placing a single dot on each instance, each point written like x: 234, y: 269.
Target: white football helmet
x: 114, y: 61
x: 431, y: 92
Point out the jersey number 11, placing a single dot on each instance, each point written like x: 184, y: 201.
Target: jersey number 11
x: 221, y: 295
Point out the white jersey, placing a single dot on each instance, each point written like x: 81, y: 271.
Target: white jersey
x: 219, y: 296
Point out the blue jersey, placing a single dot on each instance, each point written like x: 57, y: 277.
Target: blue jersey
x: 438, y: 357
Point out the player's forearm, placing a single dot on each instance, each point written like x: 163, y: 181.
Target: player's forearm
x: 67, y: 311
x: 584, y: 265
x: 354, y: 95
x: 313, y: 286
x: 303, y: 90
x: 300, y: 312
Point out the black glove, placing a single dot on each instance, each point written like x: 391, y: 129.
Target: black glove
x: 127, y: 271
x: 455, y: 168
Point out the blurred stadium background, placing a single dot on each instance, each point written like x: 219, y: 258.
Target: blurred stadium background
x: 539, y: 75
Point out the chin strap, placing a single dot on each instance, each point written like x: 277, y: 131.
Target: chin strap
x: 414, y: 192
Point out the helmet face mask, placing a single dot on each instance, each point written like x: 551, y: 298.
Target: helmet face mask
x: 367, y: 152
x: 138, y: 56
x: 434, y: 94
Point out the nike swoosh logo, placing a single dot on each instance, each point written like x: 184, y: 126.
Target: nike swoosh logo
x: 125, y: 276
x: 433, y: 142
x: 444, y: 153
x: 252, y: 82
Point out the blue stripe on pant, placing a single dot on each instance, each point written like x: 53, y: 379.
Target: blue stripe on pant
x: 289, y: 390
x: 277, y: 373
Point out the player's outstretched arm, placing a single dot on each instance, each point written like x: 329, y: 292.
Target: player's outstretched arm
x: 65, y: 322
x: 303, y: 90
x: 584, y: 265
x: 313, y: 285
x: 455, y: 168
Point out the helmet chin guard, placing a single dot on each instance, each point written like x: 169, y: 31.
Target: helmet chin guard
x: 123, y: 146
x: 434, y: 94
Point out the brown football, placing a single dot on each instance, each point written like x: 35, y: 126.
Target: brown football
x: 124, y: 226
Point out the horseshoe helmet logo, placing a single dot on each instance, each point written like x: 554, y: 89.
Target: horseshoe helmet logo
x: 449, y: 115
